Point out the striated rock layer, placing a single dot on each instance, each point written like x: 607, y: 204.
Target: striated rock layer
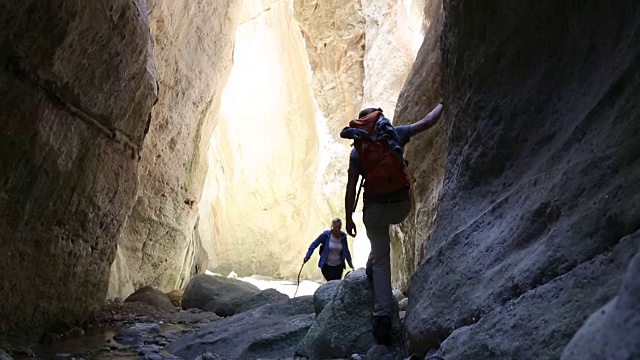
x: 193, y: 42
x: 76, y: 89
x: 540, y: 186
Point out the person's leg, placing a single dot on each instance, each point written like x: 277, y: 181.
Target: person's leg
x: 377, y: 219
x: 326, y: 272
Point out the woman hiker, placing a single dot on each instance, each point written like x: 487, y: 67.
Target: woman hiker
x: 333, y: 251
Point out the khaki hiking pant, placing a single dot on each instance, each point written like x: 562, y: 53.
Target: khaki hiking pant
x: 377, y: 220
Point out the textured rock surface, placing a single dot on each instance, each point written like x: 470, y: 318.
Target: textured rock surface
x: 539, y: 181
x: 612, y: 332
x: 344, y: 326
x: 334, y: 34
x: 153, y: 297
x: 499, y: 334
x: 269, y: 332
x: 217, y: 294
x: 267, y: 296
x: 325, y: 294
x: 426, y: 153
x: 76, y: 90
x: 193, y: 43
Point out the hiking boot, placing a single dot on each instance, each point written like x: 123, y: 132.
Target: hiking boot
x: 382, y: 330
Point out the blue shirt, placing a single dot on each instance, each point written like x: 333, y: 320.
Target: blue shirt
x: 404, y: 133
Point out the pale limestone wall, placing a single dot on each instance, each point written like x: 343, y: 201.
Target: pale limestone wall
x: 192, y: 47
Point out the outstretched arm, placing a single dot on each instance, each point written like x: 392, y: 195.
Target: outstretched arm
x: 350, y: 202
x: 313, y: 246
x: 428, y: 121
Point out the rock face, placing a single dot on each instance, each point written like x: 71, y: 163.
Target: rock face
x: 264, y: 153
x: 76, y: 89
x: 269, y: 332
x: 539, y: 195
x: 153, y: 297
x: 325, y: 294
x: 426, y: 153
x: 217, y: 294
x: 193, y: 43
x: 344, y: 326
x: 613, y: 331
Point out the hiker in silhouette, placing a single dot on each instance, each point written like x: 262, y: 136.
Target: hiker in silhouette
x: 334, y: 251
x: 377, y: 156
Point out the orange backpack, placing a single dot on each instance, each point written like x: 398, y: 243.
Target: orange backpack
x: 384, y: 171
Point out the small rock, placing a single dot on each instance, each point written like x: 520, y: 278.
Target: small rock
x: 403, y: 304
x: 399, y: 295
x: 175, y: 297
x: 379, y: 352
x: 356, y: 357
x: 62, y: 356
x: 208, y: 356
x: 153, y: 357
x: 402, y: 315
x: 232, y: 275
x: 77, y: 332
x: 149, y: 349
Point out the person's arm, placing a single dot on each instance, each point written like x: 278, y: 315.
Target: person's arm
x: 350, y: 201
x: 313, y: 246
x: 431, y: 119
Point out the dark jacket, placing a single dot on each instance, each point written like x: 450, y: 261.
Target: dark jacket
x: 324, y: 239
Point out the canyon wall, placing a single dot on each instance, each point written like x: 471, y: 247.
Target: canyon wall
x: 76, y: 88
x: 261, y: 208
x: 192, y: 45
x: 538, y: 212
x: 426, y: 152
x: 277, y: 167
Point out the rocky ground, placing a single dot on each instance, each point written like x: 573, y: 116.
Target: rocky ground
x: 261, y: 324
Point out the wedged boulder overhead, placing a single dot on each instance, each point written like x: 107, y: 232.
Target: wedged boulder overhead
x: 76, y: 88
x: 193, y: 43
x: 541, y: 174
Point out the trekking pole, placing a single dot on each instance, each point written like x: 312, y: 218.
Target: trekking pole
x: 297, y: 286
x: 355, y: 204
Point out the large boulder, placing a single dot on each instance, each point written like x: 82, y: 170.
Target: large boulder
x: 267, y: 296
x: 612, y: 332
x: 540, y: 184
x: 271, y: 331
x: 153, y: 297
x: 325, y: 294
x: 344, y: 326
x: 77, y: 84
x: 217, y: 294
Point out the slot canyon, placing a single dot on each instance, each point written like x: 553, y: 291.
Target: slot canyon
x: 166, y: 164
